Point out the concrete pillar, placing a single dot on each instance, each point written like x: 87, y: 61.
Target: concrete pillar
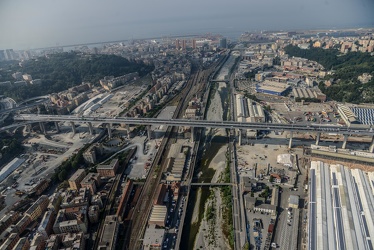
x: 149, y: 132
x: 317, y: 138
x: 290, y: 142
x: 345, y: 141
x: 42, y: 128
x: 240, y: 137
x: 371, y: 147
x: 192, y: 134
x: 90, y: 129
x: 57, y: 127
x: 127, y: 127
x: 73, y: 127
x: 109, y: 130
x: 28, y: 128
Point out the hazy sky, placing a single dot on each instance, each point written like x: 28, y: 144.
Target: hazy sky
x: 28, y: 24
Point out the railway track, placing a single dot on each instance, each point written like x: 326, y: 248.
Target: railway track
x: 144, y: 206
x: 111, y: 197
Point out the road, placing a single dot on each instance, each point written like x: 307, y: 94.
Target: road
x: 42, y: 100
x: 311, y: 128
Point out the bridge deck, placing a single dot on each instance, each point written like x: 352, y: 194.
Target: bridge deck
x: 313, y: 128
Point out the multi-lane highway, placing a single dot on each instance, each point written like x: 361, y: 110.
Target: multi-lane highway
x: 324, y: 128
x: 40, y: 100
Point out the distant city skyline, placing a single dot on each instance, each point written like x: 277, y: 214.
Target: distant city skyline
x: 28, y: 25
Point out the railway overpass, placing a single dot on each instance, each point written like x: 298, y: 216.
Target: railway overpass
x: 309, y: 128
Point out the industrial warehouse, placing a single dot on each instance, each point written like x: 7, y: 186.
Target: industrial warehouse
x: 248, y: 110
x: 341, y: 212
x: 272, y: 88
x: 356, y: 115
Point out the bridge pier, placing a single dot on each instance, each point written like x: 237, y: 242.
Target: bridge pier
x: 318, y: 138
x: 345, y: 140
x: 240, y: 137
x: 28, y: 128
x: 149, y: 132
x: 42, y: 128
x: 192, y: 134
x: 57, y: 127
x: 109, y: 130
x: 90, y: 129
x: 127, y: 128
x: 290, y: 142
x: 73, y: 128
x: 371, y: 147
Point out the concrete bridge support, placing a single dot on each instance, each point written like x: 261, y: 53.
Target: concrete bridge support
x: 317, y: 138
x: 42, y: 128
x: 109, y: 130
x: 371, y: 147
x: 290, y: 142
x: 192, y: 134
x: 57, y: 127
x: 149, y: 132
x: 28, y: 128
x: 240, y: 137
x: 345, y: 140
x: 90, y: 128
x: 73, y: 127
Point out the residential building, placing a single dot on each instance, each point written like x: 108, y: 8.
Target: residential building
x: 7, y: 220
x: 108, y: 170
x: 46, y: 225
x: 10, y: 242
x: 276, y: 178
x: 55, y: 202
x: 53, y: 242
x: 90, y: 154
x: 74, y: 241
x: 22, y: 244
x: 40, y: 187
x: 76, y: 178
x: 73, y: 226
x: 93, y: 214
x: 38, y: 242
x: 91, y: 181
x: 23, y: 223
x: 110, y: 82
x: 37, y: 209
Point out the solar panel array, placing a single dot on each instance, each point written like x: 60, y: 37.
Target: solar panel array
x: 364, y: 115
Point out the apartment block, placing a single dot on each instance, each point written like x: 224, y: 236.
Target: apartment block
x: 76, y: 178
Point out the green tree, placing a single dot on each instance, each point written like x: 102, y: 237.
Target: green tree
x: 62, y: 175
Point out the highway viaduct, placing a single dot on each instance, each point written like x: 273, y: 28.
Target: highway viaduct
x: 241, y: 126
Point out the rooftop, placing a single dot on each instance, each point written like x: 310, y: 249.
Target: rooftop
x: 153, y: 237
x: 77, y: 174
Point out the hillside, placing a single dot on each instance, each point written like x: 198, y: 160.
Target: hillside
x: 61, y: 71
x: 347, y: 68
